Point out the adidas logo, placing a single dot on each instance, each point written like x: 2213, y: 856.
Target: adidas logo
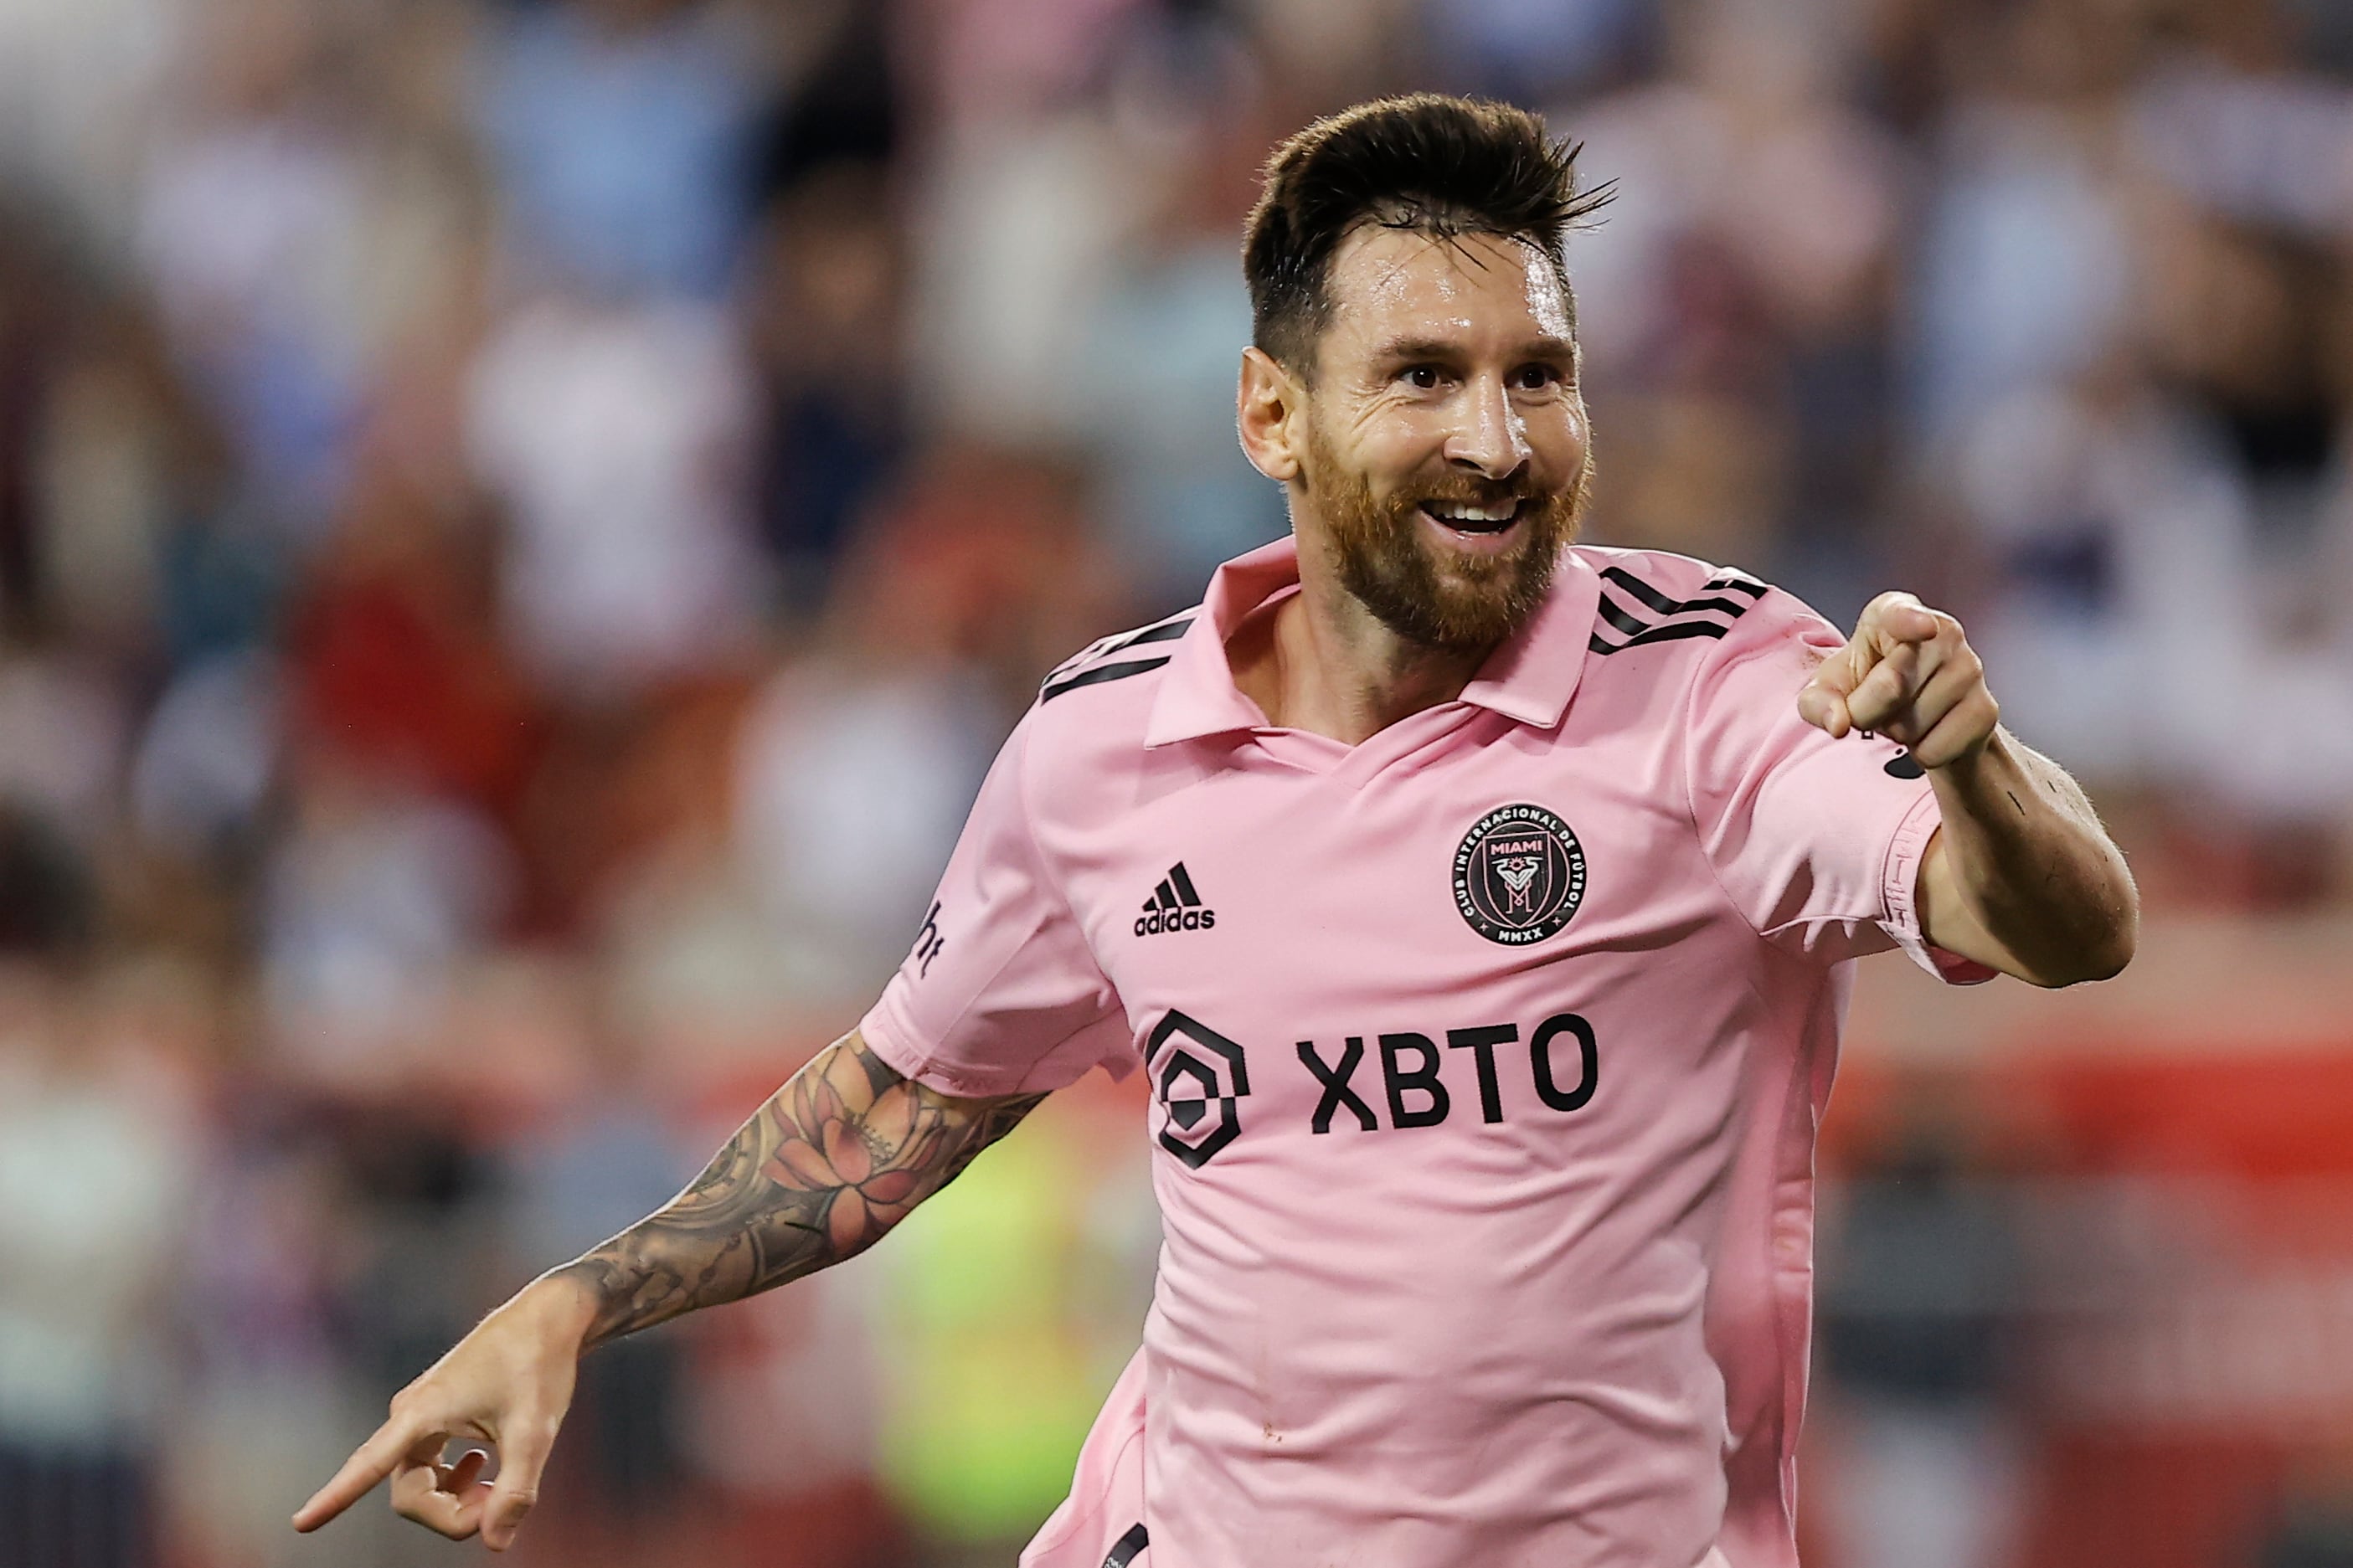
x: 1174, y: 906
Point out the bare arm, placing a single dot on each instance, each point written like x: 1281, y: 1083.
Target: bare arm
x: 835, y: 1158
x: 2022, y: 877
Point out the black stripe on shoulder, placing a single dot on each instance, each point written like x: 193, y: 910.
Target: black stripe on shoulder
x: 1639, y: 589
x: 1159, y: 631
x: 1167, y: 631
x: 1124, y: 1550
x: 1671, y: 632
x: 1098, y: 675
x: 1620, y: 619
x: 1638, y: 631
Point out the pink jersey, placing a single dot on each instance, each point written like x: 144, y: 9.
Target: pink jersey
x: 1485, y: 1061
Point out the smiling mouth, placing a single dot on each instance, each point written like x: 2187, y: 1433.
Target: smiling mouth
x: 1461, y: 517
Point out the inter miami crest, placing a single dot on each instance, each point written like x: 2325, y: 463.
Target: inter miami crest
x: 1197, y: 1075
x: 1519, y: 874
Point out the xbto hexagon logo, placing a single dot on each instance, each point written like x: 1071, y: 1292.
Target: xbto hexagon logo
x: 1197, y: 1075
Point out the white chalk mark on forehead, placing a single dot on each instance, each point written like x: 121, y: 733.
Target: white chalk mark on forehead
x: 1547, y: 296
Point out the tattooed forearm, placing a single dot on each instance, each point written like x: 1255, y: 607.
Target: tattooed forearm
x: 837, y: 1157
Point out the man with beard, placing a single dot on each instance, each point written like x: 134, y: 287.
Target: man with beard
x: 1476, y: 904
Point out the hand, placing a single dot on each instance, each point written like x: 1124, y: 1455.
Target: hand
x: 1909, y: 674
x: 507, y: 1384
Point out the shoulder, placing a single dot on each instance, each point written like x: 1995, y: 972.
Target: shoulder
x: 1650, y: 597
x: 1691, y: 614
x: 1089, y: 720
x: 1674, y: 633
x: 1715, y: 653
x: 1122, y: 656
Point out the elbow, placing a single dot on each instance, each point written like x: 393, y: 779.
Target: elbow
x: 2104, y: 946
x: 2104, y: 963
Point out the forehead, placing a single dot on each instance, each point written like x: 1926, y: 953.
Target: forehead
x: 1388, y: 282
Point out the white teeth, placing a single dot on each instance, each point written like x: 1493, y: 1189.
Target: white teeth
x: 1451, y: 512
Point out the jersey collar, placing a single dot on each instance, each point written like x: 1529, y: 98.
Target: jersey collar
x: 1529, y: 678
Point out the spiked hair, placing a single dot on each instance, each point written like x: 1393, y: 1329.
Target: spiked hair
x: 1444, y: 166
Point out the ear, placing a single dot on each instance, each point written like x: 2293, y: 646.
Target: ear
x: 1272, y: 413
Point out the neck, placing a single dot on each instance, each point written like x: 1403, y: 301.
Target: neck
x: 1320, y: 661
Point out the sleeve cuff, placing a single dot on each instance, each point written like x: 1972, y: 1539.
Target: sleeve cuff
x: 887, y: 1036
x: 1901, y: 893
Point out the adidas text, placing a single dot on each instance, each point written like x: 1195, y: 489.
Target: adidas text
x: 1175, y: 905
x: 1174, y: 920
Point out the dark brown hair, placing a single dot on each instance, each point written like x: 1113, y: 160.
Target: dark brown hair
x: 1446, y: 166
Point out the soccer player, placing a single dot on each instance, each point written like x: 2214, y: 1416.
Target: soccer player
x: 1477, y: 904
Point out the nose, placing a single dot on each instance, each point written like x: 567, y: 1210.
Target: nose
x: 1492, y: 440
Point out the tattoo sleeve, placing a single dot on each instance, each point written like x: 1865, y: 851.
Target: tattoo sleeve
x: 838, y: 1156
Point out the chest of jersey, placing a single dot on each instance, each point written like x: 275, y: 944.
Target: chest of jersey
x: 1461, y: 930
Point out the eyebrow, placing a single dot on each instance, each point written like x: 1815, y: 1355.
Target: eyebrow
x: 1545, y: 347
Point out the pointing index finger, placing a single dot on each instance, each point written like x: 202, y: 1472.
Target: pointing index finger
x: 370, y: 1463
x: 1899, y: 617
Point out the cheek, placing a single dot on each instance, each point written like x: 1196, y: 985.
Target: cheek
x: 1558, y: 438
x: 1385, y: 418
x: 1391, y: 444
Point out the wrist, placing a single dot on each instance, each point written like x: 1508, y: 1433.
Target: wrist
x: 1974, y: 768
x: 563, y: 1304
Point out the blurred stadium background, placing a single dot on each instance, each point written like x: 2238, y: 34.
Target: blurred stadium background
x: 523, y: 521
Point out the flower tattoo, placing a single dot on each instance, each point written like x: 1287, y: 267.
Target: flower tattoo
x: 840, y: 1154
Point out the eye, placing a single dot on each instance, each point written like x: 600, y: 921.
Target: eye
x: 1422, y: 376
x: 1536, y: 377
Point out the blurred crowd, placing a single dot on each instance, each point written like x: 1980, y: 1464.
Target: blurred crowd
x: 521, y: 522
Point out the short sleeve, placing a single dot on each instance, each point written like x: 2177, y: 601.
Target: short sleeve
x: 999, y: 993
x: 1817, y: 841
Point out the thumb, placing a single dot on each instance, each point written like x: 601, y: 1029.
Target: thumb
x: 523, y: 1454
x: 1823, y: 705
x: 1823, y: 700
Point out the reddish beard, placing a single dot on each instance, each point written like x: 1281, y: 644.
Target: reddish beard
x: 1425, y: 593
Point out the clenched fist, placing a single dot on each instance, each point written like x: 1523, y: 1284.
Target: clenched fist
x: 1908, y: 673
